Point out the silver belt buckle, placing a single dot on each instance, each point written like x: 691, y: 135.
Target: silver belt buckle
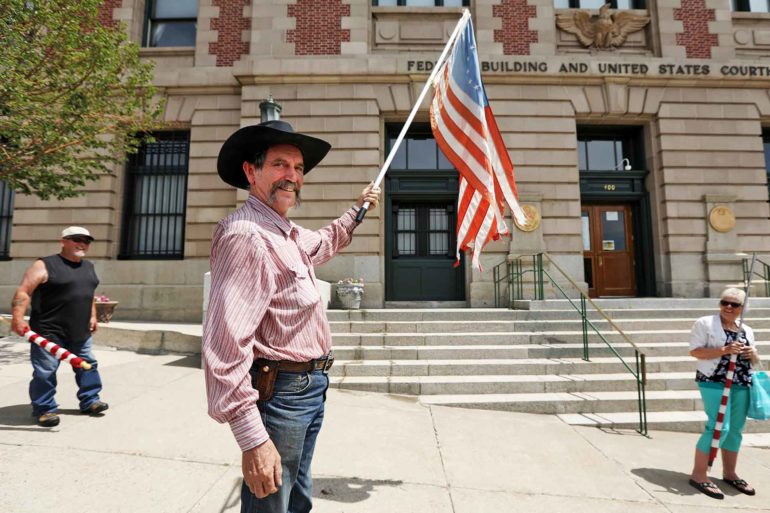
x: 328, y: 363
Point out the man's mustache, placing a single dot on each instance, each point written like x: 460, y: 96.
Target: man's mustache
x: 286, y: 185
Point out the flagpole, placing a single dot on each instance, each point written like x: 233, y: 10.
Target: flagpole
x: 452, y: 38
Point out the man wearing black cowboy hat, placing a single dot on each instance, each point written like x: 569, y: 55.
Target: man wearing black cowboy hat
x: 266, y: 340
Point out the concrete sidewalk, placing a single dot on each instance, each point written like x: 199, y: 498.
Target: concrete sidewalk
x: 156, y: 450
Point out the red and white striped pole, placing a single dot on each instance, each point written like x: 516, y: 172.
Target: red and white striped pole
x: 729, y: 377
x: 58, y: 351
x: 722, y: 410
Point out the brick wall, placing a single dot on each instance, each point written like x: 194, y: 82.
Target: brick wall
x: 696, y: 37
x: 105, y: 12
x: 318, y: 27
x: 515, y: 34
x: 230, y: 25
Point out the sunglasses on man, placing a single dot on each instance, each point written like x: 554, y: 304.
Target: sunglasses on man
x: 80, y: 240
x: 730, y: 303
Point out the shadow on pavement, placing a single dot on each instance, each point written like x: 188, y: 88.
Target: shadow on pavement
x: 349, y: 490
x: 21, y: 415
x: 673, y: 482
x: 69, y: 411
x: 233, y: 501
x: 17, y: 415
x: 192, y: 361
x: 12, y: 352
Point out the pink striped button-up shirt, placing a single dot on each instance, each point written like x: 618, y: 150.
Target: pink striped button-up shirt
x: 263, y: 303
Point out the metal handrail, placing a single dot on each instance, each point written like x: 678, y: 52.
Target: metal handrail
x: 514, y: 278
x: 764, y: 274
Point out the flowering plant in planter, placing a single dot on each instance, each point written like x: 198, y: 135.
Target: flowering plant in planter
x: 105, y: 307
x: 352, y: 281
x: 349, y: 292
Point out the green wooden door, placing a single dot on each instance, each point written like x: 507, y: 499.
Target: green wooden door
x: 421, y: 258
x: 420, y: 221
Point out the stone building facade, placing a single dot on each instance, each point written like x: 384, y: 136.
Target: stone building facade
x: 646, y: 161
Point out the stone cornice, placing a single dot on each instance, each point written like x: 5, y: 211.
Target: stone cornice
x: 415, y: 68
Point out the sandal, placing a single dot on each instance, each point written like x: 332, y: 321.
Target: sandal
x: 708, y: 488
x: 740, y: 485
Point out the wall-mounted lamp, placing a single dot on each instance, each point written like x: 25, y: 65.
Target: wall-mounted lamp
x: 269, y: 109
x: 625, y: 163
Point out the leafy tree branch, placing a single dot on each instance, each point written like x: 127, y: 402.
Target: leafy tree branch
x: 73, y: 96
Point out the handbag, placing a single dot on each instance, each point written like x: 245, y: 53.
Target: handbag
x: 759, y: 401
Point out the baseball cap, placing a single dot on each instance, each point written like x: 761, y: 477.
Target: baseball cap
x: 74, y: 231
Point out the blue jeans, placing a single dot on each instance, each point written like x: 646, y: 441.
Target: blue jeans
x: 293, y: 418
x: 42, y: 388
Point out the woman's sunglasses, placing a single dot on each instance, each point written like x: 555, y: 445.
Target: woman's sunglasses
x: 730, y: 303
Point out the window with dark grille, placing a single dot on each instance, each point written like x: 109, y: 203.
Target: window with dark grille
x: 596, y: 4
x: 424, y: 230
x: 171, y: 22
x: 751, y: 5
x: 420, y: 220
x: 156, y: 198
x: 613, y: 149
x: 6, y: 219
x: 406, y: 230
x: 422, y: 3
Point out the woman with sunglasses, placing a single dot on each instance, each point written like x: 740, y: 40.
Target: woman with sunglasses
x: 713, y: 339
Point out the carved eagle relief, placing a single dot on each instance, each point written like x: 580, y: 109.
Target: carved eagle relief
x: 605, y: 32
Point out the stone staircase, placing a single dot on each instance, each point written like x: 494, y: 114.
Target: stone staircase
x: 530, y: 360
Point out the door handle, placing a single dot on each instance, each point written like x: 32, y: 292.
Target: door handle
x: 601, y: 261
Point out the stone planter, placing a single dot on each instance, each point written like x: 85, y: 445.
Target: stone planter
x: 104, y: 310
x: 350, y: 295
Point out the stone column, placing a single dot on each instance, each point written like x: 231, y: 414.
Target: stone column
x: 528, y: 239
x: 722, y: 261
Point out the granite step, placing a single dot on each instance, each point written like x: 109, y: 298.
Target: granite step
x: 637, y: 313
x: 627, y: 325
x: 531, y: 360
x: 576, y: 403
x: 684, y: 421
x: 504, y: 315
x: 458, y: 367
x: 418, y: 315
x: 482, y: 351
x: 637, y: 303
x: 513, y: 337
x: 511, y: 384
x: 522, y: 326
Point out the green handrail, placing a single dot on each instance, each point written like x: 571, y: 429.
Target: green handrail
x: 763, y: 273
x: 514, y: 280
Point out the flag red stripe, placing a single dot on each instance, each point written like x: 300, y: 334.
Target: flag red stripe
x: 502, y: 151
x: 467, y: 133
x: 460, y: 163
x: 464, y: 112
x: 478, y: 220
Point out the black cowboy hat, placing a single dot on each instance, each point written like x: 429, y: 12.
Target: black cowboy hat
x: 244, y: 144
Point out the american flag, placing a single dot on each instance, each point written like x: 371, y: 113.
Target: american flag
x: 466, y: 131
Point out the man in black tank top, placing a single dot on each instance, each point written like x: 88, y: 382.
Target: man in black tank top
x: 61, y: 289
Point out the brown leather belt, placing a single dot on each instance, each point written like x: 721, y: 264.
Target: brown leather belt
x: 325, y: 363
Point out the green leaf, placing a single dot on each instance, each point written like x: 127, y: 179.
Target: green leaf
x: 73, y: 96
